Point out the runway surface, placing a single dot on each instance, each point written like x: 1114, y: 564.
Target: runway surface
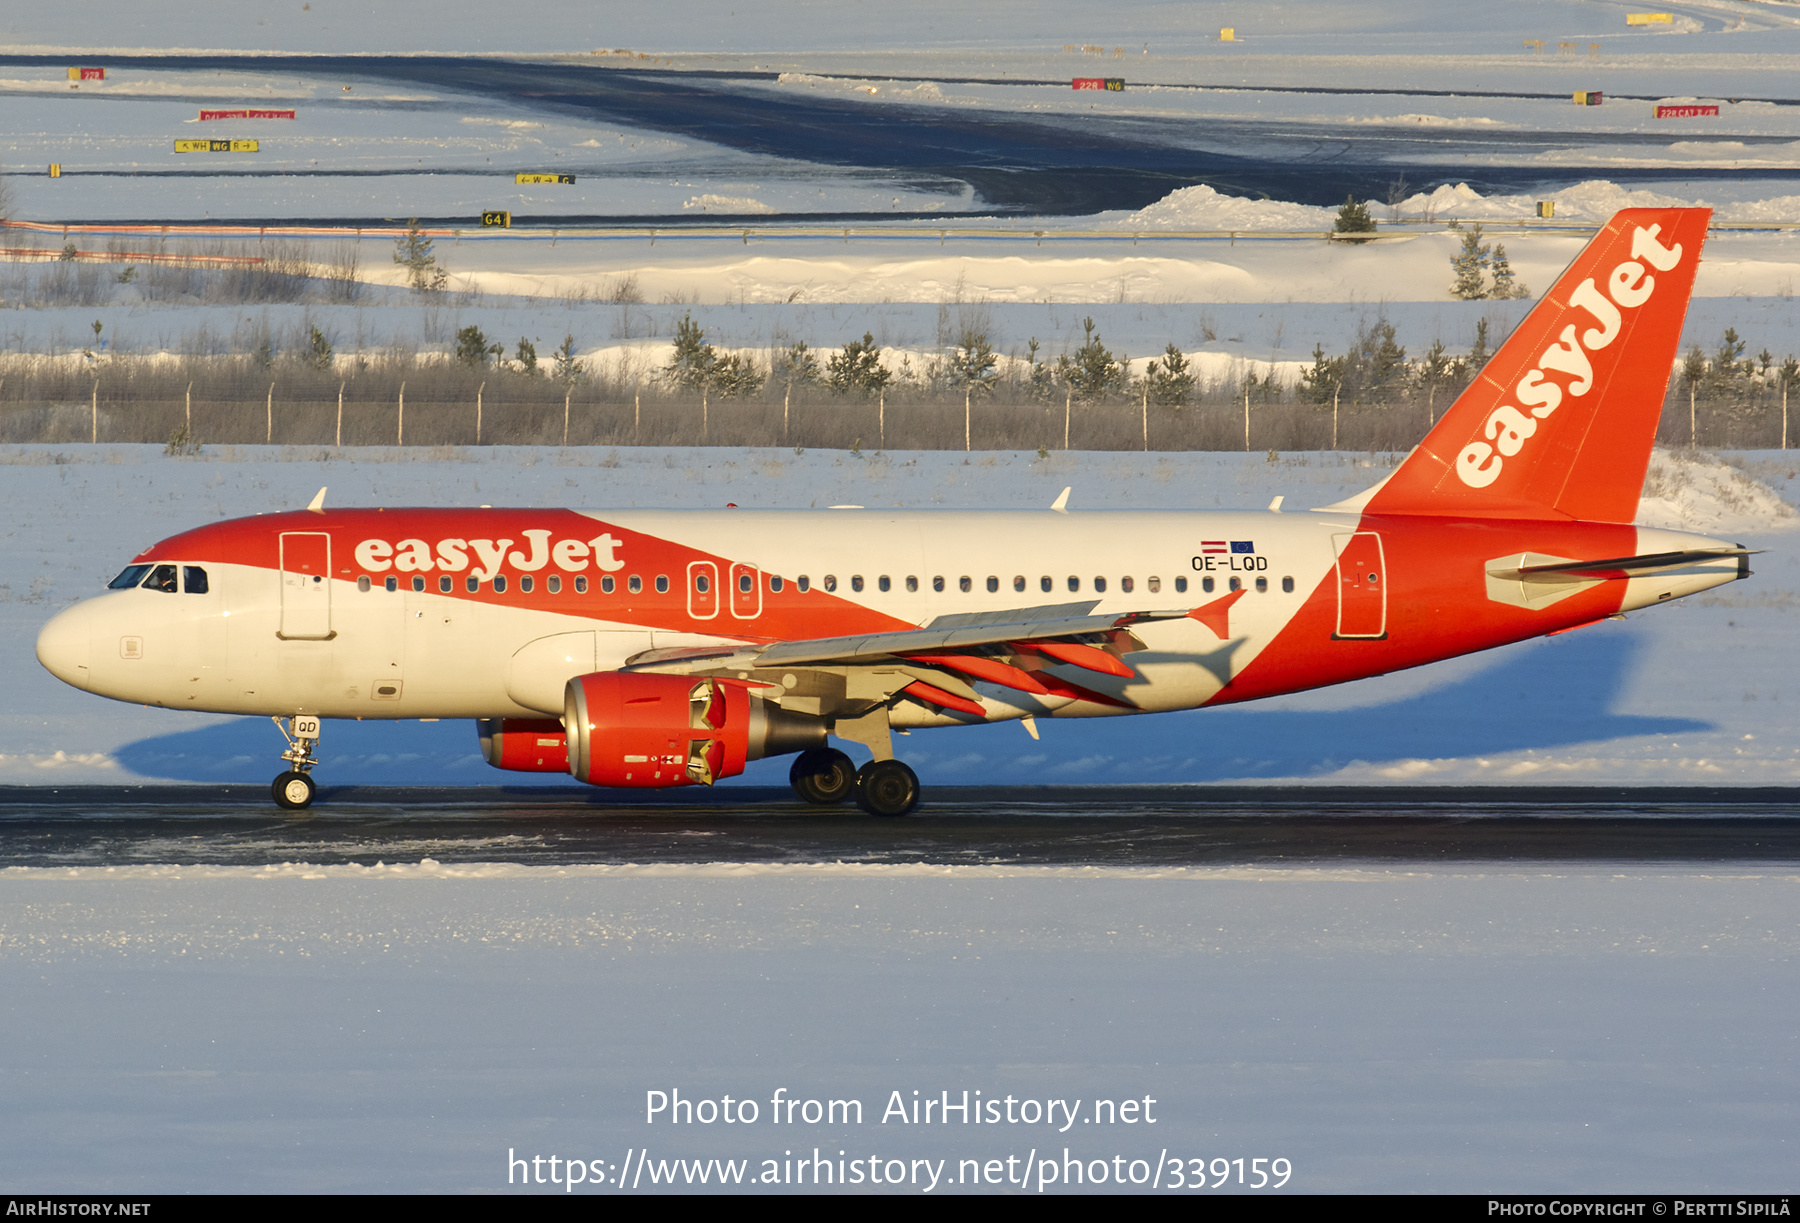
x: 1072, y: 826
x: 1048, y: 164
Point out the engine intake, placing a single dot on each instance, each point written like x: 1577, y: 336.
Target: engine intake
x: 654, y: 731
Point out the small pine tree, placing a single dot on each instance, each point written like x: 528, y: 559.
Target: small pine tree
x: 734, y: 377
x: 1693, y: 367
x: 1470, y: 265
x: 799, y: 366
x: 1093, y: 371
x: 568, y: 368
x: 1478, y: 355
x: 412, y: 251
x: 318, y: 353
x: 975, y: 363
x: 1789, y: 373
x: 1171, y: 379
x: 1384, y: 359
x: 857, y: 370
x: 1323, y: 378
x: 1039, y: 378
x: 692, y: 366
x: 1505, y: 284
x: 526, y: 358
x: 473, y: 349
x: 1728, y: 364
x: 1354, y: 218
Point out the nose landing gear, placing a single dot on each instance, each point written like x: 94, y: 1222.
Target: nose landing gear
x: 294, y: 789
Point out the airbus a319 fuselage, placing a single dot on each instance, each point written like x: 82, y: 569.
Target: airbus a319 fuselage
x: 657, y: 648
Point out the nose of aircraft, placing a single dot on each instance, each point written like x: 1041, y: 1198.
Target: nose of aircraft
x: 63, y: 645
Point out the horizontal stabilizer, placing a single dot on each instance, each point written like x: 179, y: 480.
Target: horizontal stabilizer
x: 1617, y: 566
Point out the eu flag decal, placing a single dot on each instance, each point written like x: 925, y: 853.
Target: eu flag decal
x: 1242, y: 545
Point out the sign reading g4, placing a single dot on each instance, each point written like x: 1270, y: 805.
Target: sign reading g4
x: 496, y: 220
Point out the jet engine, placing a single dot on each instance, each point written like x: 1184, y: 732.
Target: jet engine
x: 653, y: 731
x: 524, y: 745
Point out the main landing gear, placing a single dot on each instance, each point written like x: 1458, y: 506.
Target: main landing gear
x: 294, y: 789
x: 826, y: 776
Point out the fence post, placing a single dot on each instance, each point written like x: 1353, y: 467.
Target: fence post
x: 400, y: 421
x: 568, y: 394
x: 787, y: 396
x: 269, y: 427
x: 1146, y: 411
x: 1246, y: 412
x: 966, y: 394
x: 1784, y: 387
x: 188, y: 415
x: 881, y: 420
x: 95, y: 406
x: 340, y: 418
x: 478, y: 391
x: 1334, y: 406
x: 1068, y: 404
x: 1692, y: 437
x: 637, y: 413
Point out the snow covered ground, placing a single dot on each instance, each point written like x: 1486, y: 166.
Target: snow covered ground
x: 1702, y: 691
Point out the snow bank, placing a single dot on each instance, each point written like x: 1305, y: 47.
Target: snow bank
x: 1689, y: 491
x: 1204, y: 208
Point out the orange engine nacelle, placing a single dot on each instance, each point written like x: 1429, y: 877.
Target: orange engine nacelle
x: 635, y: 730
x: 524, y: 745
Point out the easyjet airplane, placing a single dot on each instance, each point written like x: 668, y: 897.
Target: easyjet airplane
x: 655, y: 648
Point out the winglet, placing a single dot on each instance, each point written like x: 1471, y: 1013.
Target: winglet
x: 1217, y: 614
x: 317, y: 504
x: 1061, y: 504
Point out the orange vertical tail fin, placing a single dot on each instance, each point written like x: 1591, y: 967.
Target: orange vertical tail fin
x: 1561, y: 420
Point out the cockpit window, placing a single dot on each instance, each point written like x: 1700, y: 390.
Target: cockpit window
x: 132, y: 575
x: 161, y: 578
x: 193, y: 579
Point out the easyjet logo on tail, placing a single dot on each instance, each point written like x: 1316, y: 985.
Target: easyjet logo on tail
x: 1628, y: 287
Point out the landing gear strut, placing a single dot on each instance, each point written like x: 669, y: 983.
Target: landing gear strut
x: 823, y: 775
x: 294, y: 789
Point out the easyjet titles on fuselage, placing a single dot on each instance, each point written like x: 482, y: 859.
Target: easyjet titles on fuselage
x: 491, y: 555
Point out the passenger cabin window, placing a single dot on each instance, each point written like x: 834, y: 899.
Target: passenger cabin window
x: 1046, y: 584
x: 884, y: 584
x: 193, y: 579
x: 1100, y: 586
x: 525, y: 585
x: 553, y: 584
x: 129, y: 577
x: 581, y: 584
x: 830, y: 582
x: 1181, y: 585
x: 161, y: 578
x: 391, y: 582
x: 912, y: 583
x: 444, y: 585
x: 993, y: 584
x: 1155, y: 585
x: 418, y: 583
x: 1019, y: 582
x: 362, y: 583
x: 1074, y: 582
x: 1237, y: 583
x: 937, y: 584
x: 473, y: 583
x: 856, y: 582
x: 606, y: 584
x: 1206, y: 584
x: 662, y: 583
x: 1125, y: 584
x: 964, y: 584
x: 804, y: 583
x: 499, y: 584
x: 746, y: 583
x: 1262, y: 586
x: 774, y: 585
x: 634, y: 584
x: 701, y: 584
x: 1287, y: 586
